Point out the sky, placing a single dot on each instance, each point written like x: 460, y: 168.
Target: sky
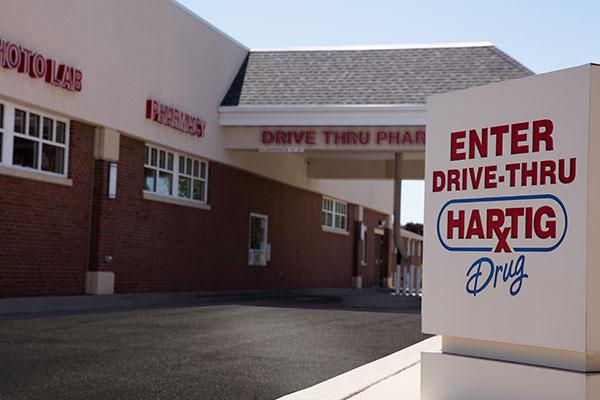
x: 542, y: 35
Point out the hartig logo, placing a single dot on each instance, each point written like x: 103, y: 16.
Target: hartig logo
x: 529, y: 223
x: 509, y: 224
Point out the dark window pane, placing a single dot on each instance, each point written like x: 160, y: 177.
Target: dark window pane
x: 47, y: 130
x: 203, y: 170
x: 170, y: 161
x: 149, y: 179
x: 34, y: 125
x: 185, y: 189
x: 20, y: 116
x: 154, y: 157
x: 199, y: 190
x: 196, y: 168
x: 61, y: 132
x: 188, y: 168
x: 162, y: 159
x: 181, y: 164
x: 53, y: 159
x: 25, y: 153
x: 338, y: 221
x: 146, y: 155
x: 257, y: 233
x: 1, y: 116
x: 165, y: 183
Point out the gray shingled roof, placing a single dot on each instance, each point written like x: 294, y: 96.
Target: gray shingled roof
x: 388, y: 76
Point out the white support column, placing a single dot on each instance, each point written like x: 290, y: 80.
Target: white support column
x: 397, y: 201
x: 418, y: 280
x: 406, y: 290
x: 413, y: 286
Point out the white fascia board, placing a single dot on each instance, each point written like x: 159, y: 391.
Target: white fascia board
x: 410, y: 235
x: 375, y: 47
x: 323, y: 115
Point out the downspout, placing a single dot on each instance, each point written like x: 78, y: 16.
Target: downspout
x: 397, y: 205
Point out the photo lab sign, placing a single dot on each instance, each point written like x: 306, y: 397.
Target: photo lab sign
x: 38, y: 66
x: 505, y: 210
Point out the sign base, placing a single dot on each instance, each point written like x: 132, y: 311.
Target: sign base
x: 452, y: 377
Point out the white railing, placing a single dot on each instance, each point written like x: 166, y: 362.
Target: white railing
x: 408, y: 280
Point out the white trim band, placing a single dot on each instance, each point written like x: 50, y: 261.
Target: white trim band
x: 35, y: 175
x: 323, y: 115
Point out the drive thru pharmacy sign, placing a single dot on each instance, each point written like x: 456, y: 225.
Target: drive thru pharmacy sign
x: 506, y: 211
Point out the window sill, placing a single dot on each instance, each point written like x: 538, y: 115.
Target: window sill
x: 334, y: 230
x: 174, y: 200
x: 35, y: 175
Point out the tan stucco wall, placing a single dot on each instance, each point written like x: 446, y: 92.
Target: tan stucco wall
x: 133, y: 50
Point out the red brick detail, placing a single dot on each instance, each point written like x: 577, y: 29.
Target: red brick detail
x: 45, y: 233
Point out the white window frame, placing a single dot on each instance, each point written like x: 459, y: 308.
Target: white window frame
x: 148, y: 148
x: 333, y: 213
x: 259, y: 257
x: 363, y: 244
x: 9, y: 135
x: 193, y: 176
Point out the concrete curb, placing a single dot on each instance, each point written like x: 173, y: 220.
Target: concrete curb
x: 369, y: 376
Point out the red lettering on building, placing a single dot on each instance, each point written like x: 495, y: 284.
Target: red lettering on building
x: 37, y: 66
x: 174, y: 118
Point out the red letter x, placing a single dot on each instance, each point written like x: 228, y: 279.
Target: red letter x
x: 502, y: 235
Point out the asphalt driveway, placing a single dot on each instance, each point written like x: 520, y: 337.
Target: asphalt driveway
x: 235, y: 349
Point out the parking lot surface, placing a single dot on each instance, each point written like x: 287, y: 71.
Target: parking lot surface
x: 230, y: 349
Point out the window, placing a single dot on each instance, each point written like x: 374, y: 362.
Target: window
x: 158, y: 171
x: 170, y: 174
x: 29, y: 139
x: 258, y: 253
x: 334, y: 214
x: 192, y: 179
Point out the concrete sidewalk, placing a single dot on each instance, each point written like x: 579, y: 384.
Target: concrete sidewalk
x: 396, y: 377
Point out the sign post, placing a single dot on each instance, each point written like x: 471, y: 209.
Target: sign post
x: 512, y: 216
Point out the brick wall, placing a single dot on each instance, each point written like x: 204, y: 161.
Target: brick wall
x: 164, y: 247
x: 52, y: 233
x: 45, y: 227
